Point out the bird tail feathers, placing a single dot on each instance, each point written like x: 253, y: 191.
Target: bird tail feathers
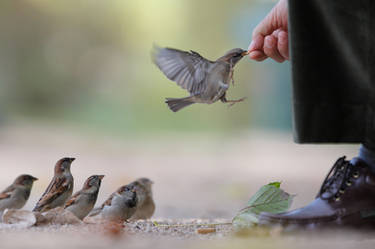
x: 177, y: 104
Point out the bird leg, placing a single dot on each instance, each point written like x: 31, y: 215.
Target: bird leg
x: 231, y: 102
x: 231, y: 72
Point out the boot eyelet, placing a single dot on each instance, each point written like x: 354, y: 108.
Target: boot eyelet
x: 337, y: 198
x: 356, y: 174
x: 348, y: 183
x: 341, y: 191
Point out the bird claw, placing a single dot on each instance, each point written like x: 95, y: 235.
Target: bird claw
x: 232, y: 102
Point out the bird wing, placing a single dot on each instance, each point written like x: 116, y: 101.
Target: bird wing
x: 57, y: 186
x: 120, y: 190
x: 72, y: 199
x: 187, y: 69
x: 7, y: 192
x: 4, y: 195
x: 95, y: 211
x: 108, y: 202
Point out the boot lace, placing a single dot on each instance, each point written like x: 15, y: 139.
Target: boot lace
x: 338, y: 179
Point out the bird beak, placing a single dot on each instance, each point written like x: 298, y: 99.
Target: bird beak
x: 35, y: 179
x: 72, y: 159
x: 245, y: 53
x: 101, y: 177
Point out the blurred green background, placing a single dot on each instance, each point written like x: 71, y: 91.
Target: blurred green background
x: 87, y: 64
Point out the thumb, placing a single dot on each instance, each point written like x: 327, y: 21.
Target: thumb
x: 277, y: 18
x: 267, y: 25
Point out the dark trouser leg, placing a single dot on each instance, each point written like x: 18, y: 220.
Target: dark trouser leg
x: 333, y: 70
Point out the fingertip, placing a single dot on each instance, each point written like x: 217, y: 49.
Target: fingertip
x: 276, y: 33
x: 257, y: 55
x: 256, y: 43
x: 270, y: 48
x: 282, y: 36
x: 269, y: 42
x: 251, y: 46
x: 283, y: 45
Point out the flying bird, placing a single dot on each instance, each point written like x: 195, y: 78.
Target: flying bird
x: 206, y: 81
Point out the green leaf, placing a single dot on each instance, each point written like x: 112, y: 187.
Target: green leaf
x: 269, y: 198
x: 276, y: 184
x: 245, y: 220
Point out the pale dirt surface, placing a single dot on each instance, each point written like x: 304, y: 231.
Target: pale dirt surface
x: 198, y: 179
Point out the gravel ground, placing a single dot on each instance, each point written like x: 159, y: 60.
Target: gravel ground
x: 175, y: 234
x: 198, y: 180
x: 182, y: 228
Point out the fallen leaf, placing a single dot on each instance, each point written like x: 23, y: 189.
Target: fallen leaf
x: 269, y: 198
x: 206, y: 230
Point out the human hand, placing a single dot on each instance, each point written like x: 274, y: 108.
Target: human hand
x: 270, y: 37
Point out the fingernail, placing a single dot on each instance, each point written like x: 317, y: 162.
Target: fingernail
x: 251, y: 46
x: 252, y: 55
x: 268, y: 42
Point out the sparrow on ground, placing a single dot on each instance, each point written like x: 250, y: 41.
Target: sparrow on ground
x: 121, y: 205
x: 83, y: 201
x: 16, y: 195
x: 207, y: 81
x: 145, y: 202
x: 59, y: 189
